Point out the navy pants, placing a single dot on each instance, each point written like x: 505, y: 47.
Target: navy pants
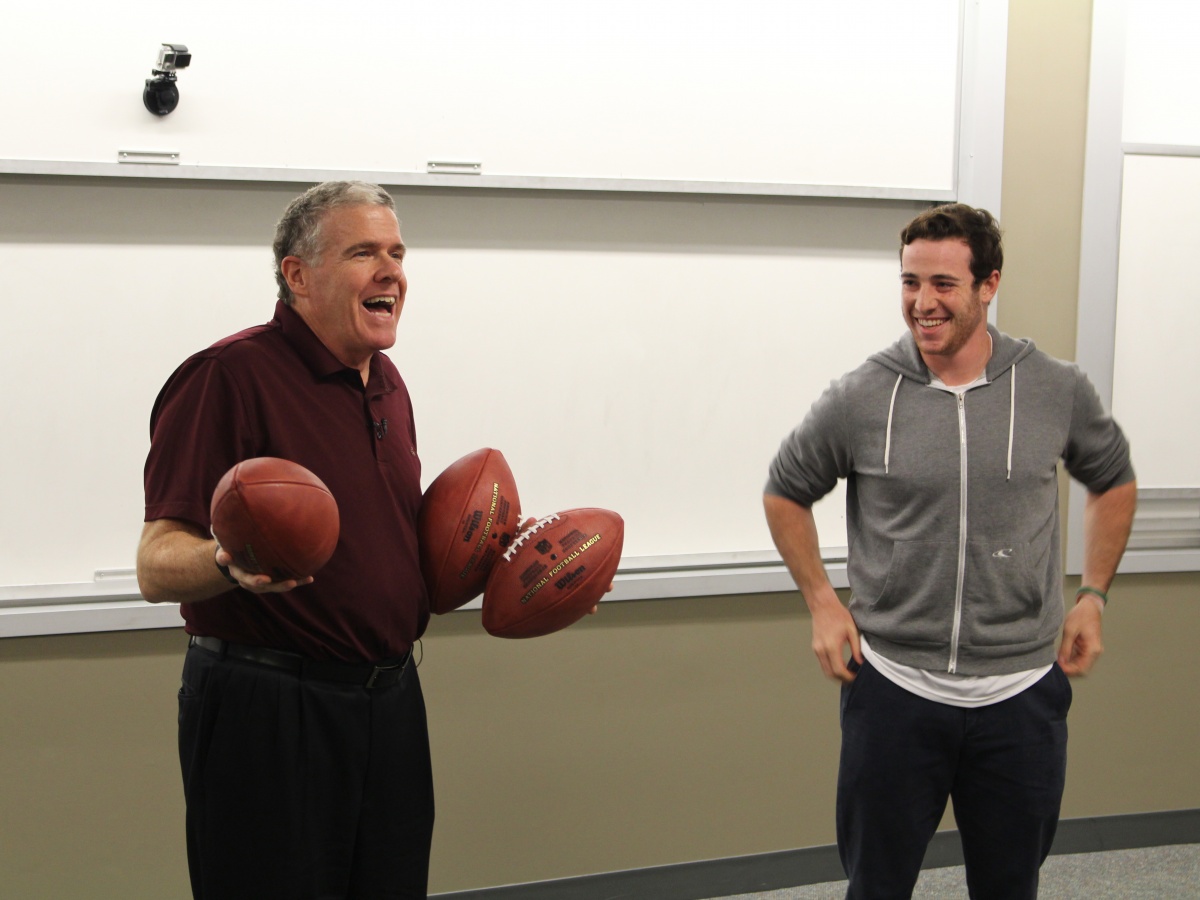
x: 1003, y: 766
x: 303, y: 789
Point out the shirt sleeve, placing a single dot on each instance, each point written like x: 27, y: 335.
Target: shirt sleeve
x: 1097, y: 453
x: 816, y: 454
x: 197, y: 432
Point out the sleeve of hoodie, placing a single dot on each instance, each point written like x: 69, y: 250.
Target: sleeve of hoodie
x: 816, y: 454
x: 1097, y: 453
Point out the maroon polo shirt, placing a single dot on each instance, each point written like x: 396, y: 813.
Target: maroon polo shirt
x: 275, y: 390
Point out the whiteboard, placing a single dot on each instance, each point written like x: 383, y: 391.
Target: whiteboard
x: 1140, y: 179
x: 1162, y: 77
x: 1156, y: 383
x: 776, y: 92
x: 1158, y: 240
x: 645, y: 354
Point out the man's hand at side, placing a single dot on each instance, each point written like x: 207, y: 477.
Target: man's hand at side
x: 795, y: 534
x: 1081, y: 644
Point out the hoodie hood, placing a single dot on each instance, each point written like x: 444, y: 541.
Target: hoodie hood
x: 904, y: 358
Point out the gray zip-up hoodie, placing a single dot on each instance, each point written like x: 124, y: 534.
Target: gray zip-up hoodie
x: 952, y: 500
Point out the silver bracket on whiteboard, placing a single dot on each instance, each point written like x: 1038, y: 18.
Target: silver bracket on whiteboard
x: 453, y: 168
x: 152, y: 157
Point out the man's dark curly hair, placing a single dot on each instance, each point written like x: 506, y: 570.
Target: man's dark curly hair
x: 977, y: 227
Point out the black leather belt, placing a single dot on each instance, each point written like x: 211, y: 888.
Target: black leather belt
x: 366, y: 675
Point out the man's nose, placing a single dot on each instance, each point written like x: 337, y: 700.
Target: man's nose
x: 391, y: 270
x: 926, y: 297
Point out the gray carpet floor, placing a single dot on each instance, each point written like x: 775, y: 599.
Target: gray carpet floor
x: 1153, y: 873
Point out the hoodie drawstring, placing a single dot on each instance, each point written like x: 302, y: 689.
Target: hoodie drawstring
x: 887, y: 444
x: 1012, y: 415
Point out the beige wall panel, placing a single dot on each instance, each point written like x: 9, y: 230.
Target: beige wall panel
x: 655, y: 733
x: 1045, y: 119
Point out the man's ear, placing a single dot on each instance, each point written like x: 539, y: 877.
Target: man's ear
x: 295, y: 273
x: 989, y: 286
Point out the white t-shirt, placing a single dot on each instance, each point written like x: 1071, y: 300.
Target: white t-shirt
x: 953, y: 690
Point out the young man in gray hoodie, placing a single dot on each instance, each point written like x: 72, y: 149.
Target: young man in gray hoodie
x: 959, y: 650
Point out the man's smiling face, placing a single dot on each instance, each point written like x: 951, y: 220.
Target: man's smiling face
x: 943, y: 307
x: 351, y: 295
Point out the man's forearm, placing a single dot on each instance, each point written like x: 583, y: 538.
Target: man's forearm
x: 1107, y: 520
x: 175, y: 564
x: 794, y: 531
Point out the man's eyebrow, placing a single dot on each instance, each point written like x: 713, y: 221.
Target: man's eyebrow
x: 936, y: 276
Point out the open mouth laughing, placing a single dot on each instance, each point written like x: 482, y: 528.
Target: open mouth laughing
x: 380, y: 305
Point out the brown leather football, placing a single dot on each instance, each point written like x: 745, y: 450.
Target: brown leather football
x: 275, y: 516
x: 469, y: 515
x: 554, y: 573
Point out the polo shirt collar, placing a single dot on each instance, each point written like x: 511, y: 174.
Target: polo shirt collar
x: 320, y: 361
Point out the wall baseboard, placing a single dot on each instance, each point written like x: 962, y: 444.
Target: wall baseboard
x: 813, y: 865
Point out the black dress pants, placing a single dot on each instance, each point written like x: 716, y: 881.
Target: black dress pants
x: 1003, y: 766
x: 303, y: 789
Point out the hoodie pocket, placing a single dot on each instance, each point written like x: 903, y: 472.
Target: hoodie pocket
x: 916, y: 604
x: 1001, y: 602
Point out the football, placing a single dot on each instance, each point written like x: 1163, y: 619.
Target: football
x: 469, y: 515
x: 275, y: 517
x: 554, y: 573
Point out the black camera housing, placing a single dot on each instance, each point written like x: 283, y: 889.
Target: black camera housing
x: 161, y: 95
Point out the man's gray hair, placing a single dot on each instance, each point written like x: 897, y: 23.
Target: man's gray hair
x: 298, y: 232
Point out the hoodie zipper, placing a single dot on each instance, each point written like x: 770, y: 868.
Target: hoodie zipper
x: 962, y: 530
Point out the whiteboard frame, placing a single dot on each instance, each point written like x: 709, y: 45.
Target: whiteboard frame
x: 111, y: 602
x: 1100, y: 246
x: 474, y: 182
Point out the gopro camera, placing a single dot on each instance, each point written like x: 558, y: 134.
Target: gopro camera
x: 172, y: 57
x: 161, y: 96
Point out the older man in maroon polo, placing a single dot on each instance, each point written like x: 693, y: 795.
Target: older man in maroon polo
x: 302, y: 732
